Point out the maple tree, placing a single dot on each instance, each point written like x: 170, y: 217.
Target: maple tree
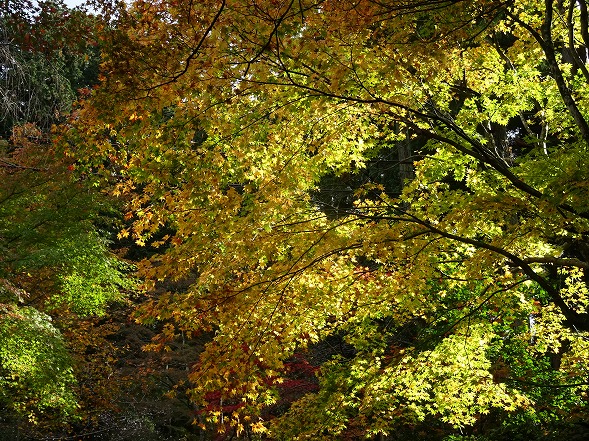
x: 462, y: 290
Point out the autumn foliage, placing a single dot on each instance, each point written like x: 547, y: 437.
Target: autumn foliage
x: 373, y: 215
x: 223, y: 120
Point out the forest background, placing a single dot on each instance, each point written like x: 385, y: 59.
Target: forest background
x: 270, y: 219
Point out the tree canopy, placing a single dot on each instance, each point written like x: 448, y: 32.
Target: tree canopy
x: 458, y: 285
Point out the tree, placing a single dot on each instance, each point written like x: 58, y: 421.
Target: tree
x: 220, y: 120
x: 43, y: 62
x: 56, y: 267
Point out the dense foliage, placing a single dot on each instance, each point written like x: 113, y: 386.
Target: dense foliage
x: 462, y: 292
x: 358, y: 219
x: 56, y: 268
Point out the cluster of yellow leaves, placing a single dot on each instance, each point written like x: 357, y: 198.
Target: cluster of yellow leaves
x: 218, y: 120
